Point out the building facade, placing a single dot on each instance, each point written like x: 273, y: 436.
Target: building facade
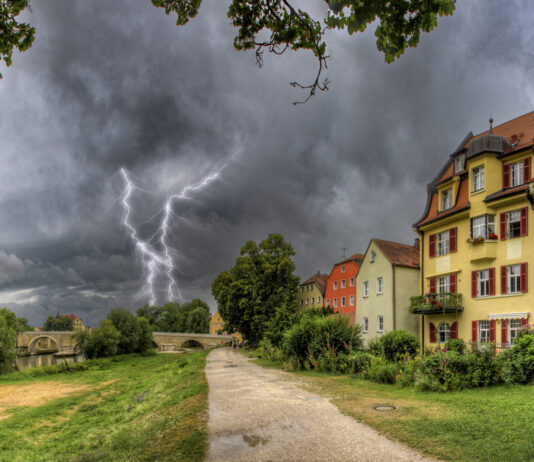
x: 340, y: 291
x: 477, y: 240
x: 216, y: 324
x: 311, y: 292
x: 388, y: 276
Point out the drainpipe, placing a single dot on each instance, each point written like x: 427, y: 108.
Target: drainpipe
x: 393, y: 298
x: 422, y: 269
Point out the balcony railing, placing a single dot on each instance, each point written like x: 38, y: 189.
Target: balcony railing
x: 446, y: 302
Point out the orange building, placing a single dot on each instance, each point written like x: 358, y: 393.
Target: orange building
x: 341, y: 287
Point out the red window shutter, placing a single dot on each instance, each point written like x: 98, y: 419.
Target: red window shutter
x: 524, y: 277
x: 474, y: 331
x: 506, y: 176
x: 504, y: 331
x: 524, y: 322
x: 454, y: 329
x: 432, y: 245
x: 452, y: 239
x: 524, y: 221
x: 491, y: 272
x: 492, y: 330
x: 504, y: 280
x: 452, y: 283
x: 503, y: 226
x: 526, y: 169
x: 473, y: 284
x: 432, y: 285
x: 432, y: 329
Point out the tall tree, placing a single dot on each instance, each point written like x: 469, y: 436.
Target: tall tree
x: 278, y: 26
x: 8, y: 333
x: 135, y: 332
x: 59, y: 323
x: 198, y: 321
x: 258, y: 288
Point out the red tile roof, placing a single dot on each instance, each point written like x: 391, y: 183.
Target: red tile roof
x: 399, y: 254
x: 319, y: 280
x: 357, y: 257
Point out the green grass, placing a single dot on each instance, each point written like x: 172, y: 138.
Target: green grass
x: 485, y: 424
x: 133, y: 408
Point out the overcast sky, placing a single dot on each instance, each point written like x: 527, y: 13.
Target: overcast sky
x: 117, y: 84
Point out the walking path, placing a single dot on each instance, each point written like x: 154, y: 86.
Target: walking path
x: 258, y: 414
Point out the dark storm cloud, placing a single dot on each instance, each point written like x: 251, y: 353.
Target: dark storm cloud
x: 113, y: 84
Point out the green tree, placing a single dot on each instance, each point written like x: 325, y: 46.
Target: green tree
x: 23, y: 325
x: 99, y: 342
x: 260, y: 287
x: 59, y: 323
x: 135, y: 332
x: 162, y: 318
x: 8, y: 334
x: 277, y: 26
x: 198, y: 321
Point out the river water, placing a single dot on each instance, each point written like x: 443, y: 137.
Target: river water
x: 27, y: 362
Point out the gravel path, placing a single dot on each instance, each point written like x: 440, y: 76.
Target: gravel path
x: 258, y: 414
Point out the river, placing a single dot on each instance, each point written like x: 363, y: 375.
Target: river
x: 27, y: 362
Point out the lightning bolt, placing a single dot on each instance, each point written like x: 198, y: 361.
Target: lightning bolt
x: 156, y: 253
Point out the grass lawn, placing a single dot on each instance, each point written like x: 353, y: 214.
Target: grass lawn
x: 127, y: 408
x: 485, y: 424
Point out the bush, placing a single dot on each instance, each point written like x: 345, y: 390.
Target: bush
x: 382, y: 372
x: 517, y: 364
x: 359, y: 363
x: 398, y: 344
x: 456, y: 344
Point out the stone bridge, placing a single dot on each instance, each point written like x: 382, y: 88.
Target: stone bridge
x: 64, y: 342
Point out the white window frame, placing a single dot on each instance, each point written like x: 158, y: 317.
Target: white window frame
x: 343, y: 284
x: 483, y: 283
x: 380, y: 323
x: 483, y: 331
x: 318, y: 300
x: 366, y: 288
x: 459, y: 163
x: 366, y: 324
x: 444, y: 284
x: 307, y: 301
x: 512, y: 330
x: 513, y: 226
x: 351, y: 282
x: 373, y: 256
x: 444, y: 332
x: 313, y: 300
x: 513, y: 279
x: 483, y: 225
x: 342, y: 268
x: 478, y: 178
x: 446, y: 199
x: 380, y: 285
x: 351, y: 300
x: 443, y: 243
x: 327, y: 302
x: 517, y: 174
x: 335, y: 285
x: 335, y: 302
x: 343, y: 302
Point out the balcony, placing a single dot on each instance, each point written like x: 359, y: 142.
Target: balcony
x: 482, y: 250
x: 446, y: 302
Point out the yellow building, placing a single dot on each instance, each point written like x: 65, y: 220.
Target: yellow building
x: 310, y: 293
x: 388, y: 276
x: 216, y: 324
x: 476, y: 240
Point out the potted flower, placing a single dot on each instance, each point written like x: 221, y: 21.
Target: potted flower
x: 492, y: 236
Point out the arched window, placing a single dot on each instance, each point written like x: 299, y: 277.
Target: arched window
x: 444, y: 332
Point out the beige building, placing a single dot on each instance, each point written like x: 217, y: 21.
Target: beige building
x: 388, y: 277
x: 216, y: 324
x: 311, y: 292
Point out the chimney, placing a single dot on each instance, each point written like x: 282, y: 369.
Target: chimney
x: 416, y: 243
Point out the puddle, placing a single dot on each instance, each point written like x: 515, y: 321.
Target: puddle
x: 231, y: 365
x: 233, y: 444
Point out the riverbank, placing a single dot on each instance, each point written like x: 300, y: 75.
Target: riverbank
x: 124, y: 408
x: 484, y: 424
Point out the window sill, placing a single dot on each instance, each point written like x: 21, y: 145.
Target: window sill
x: 379, y: 293
x: 485, y: 297
x: 478, y: 191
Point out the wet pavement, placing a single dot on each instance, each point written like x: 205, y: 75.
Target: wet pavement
x: 257, y: 414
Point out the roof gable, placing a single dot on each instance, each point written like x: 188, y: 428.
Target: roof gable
x: 399, y: 254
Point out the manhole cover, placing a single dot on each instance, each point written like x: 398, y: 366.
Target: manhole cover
x: 384, y: 407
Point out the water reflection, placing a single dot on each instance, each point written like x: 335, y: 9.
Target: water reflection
x: 27, y: 362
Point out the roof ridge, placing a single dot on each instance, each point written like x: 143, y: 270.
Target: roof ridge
x: 508, y: 121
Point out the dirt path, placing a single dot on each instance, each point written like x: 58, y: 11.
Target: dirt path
x: 258, y: 414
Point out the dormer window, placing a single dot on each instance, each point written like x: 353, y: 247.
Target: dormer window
x: 459, y: 163
x: 446, y: 199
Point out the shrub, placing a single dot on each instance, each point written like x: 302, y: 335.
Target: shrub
x: 359, y: 362
x: 456, y: 344
x: 382, y: 372
x: 398, y: 344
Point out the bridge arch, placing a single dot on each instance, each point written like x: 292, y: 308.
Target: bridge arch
x: 33, y: 343
x: 192, y: 343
